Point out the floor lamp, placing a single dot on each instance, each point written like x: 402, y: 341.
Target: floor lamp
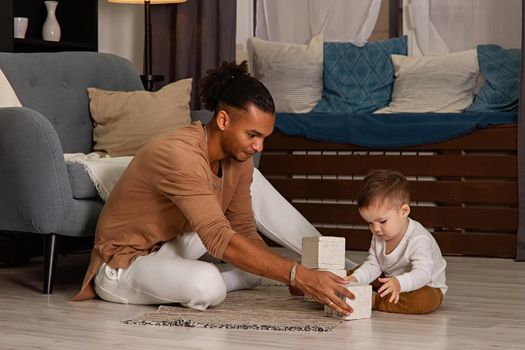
x: 148, y: 78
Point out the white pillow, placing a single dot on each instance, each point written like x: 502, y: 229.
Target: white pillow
x: 8, y: 97
x: 444, y: 83
x: 293, y: 73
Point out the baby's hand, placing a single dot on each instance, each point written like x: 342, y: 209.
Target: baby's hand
x: 390, y: 286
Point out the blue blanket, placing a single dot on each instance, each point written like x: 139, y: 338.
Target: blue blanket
x: 387, y: 130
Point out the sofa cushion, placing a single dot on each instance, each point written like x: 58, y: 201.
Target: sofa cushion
x: 444, y: 83
x: 358, y: 79
x: 125, y: 121
x: 501, y: 69
x: 81, y: 184
x: 293, y: 73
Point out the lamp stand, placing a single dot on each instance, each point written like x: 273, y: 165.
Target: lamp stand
x: 148, y: 79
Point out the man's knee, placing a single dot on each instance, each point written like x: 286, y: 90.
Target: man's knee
x: 206, y: 288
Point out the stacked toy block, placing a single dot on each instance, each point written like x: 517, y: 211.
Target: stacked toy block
x: 328, y: 254
x: 325, y: 254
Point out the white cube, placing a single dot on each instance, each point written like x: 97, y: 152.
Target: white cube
x: 323, y: 253
x: 339, y: 272
x: 362, y: 304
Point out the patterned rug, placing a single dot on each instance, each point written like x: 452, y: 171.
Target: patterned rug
x: 263, y: 308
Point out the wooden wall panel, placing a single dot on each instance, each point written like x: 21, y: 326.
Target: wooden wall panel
x: 484, y: 218
x: 425, y: 165
x: 451, y: 243
x: 480, y: 192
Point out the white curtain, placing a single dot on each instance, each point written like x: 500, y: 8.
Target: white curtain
x: 296, y: 21
x: 424, y: 38
x: 441, y: 26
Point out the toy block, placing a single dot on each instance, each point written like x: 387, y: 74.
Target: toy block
x: 339, y: 272
x: 323, y: 253
x: 362, y: 304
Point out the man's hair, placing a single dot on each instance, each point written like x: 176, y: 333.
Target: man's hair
x: 381, y: 184
x: 232, y: 85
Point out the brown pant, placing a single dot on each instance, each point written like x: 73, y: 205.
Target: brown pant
x: 420, y: 301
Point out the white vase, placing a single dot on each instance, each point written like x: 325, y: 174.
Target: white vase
x: 51, y: 28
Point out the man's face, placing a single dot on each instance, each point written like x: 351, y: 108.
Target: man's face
x: 245, y: 131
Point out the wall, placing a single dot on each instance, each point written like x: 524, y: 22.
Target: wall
x: 121, y: 31
x: 244, y: 21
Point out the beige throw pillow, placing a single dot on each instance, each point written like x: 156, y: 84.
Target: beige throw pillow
x: 293, y: 73
x: 443, y: 83
x: 8, y: 97
x: 125, y: 121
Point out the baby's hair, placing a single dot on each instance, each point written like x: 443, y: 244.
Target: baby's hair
x: 381, y: 184
x: 232, y: 85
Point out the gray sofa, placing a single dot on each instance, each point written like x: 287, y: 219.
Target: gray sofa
x: 38, y: 193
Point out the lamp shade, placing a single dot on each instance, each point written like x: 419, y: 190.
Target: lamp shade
x: 152, y: 2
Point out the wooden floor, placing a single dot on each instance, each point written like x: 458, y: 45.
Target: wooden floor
x: 484, y: 309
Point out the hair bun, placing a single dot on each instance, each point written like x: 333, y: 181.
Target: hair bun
x: 216, y: 79
x: 232, y: 85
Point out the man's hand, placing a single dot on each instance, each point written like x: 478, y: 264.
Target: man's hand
x: 255, y: 257
x: 351, y: 279
x: 390, y: 286
x: 322, y: 286
x: 295, y: 291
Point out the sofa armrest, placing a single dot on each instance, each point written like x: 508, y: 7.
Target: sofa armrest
x: 35, y: 193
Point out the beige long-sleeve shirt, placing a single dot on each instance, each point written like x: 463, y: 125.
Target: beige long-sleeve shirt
x: 167, y: 189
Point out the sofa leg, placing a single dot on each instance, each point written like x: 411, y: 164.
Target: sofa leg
x: 50, y: 258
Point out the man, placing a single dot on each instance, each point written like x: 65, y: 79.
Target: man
x: 188, y: 193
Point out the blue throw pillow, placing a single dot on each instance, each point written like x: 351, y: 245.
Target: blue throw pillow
x: 358, y: 79
x: 501, y: 69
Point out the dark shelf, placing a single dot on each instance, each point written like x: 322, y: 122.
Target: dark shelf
x: 78, y: 20
x: 36, y: 45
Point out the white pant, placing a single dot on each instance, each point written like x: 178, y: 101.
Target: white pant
x: 174, y: 275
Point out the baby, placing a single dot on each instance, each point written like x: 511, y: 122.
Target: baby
x: 404, y: 265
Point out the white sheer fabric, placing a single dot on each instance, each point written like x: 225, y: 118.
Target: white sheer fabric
x: 463, y: 24
x: 442, y: 26
x: 424, y: 38
x: 297, y: 21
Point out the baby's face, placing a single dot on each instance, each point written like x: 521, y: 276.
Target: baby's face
x: 386, y: 219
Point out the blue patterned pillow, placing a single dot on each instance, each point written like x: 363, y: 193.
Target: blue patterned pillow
x: 501, y: 69
x: 358, y: 79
